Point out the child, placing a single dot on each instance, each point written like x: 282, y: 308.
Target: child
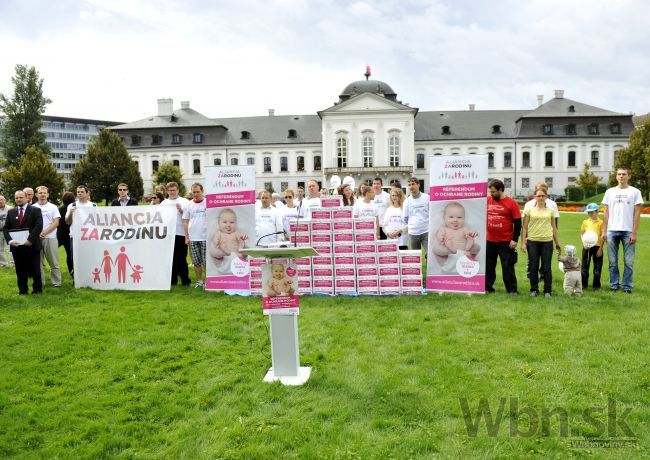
x: 572, y: 281
x: 137, y: 271
x: 453, y: 236
x: 227, y: 240
x: 278, y: 284
x: 594, y: 253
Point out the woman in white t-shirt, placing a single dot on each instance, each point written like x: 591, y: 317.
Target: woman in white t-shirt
x: 346, y: 192
x: 365, y: 206
x: 290, y: 211
x: 393, y: 223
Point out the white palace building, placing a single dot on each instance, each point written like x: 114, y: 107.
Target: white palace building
x: 370, y: 133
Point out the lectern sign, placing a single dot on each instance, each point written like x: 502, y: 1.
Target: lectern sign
x: 280, y: 286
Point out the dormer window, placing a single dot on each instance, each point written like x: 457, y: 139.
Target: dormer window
x: 593, y: 128
x: 571, y: 129
x: 572, y: 108
x: 197, y: 138
x: 547, y: 129
x: 446, y: 130
x: 136, y: 140
x: 292, y: 133
x: 177, y: 139
x: 245, y: 135
x: 615, y: 128
x: 156, y: 139
x: 496, y: 129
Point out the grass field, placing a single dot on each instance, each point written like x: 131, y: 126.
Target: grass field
x: 89, y: 374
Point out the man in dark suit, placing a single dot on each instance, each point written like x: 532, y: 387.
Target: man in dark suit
x: 124, y: 198
x: 27, y: 256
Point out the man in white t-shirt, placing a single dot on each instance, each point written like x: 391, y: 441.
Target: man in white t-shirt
x: 382, y: 201
x: 267, y: 221
x: 196, y: 230
x: 49, y: 242
x: 416, y: 215
x: 179, y: 262
x: 620, y: 224
x: 276, y: 202
x: 83, y: 201
x: 312, y: 200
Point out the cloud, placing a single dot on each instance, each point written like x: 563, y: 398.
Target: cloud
x: 113, y: 59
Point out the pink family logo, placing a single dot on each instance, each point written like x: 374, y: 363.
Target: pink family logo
x: 457, y: 175
x: 230, y: 183
x: 121, y: 260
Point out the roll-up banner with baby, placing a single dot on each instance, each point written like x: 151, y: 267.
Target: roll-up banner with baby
x: 457, y: 222
x: 230, y: 216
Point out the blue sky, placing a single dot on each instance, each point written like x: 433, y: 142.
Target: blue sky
x: 111, y: 60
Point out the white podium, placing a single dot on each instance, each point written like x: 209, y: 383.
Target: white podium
x: 285, y: 354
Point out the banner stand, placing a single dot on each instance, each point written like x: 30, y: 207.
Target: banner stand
x: 285, y: 353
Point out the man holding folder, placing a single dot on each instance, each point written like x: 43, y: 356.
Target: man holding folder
x: 22, y: 232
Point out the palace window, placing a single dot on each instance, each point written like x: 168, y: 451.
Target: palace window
x: 267, y: 164
x: 342, y: 152
x: 571, y: 160
x: 525, y: 159
x: 393, y: 151
x: 548, y: 159
x: 507, y: 159
x: 368, y: 150
x: 419, y: 158
x: 196, y: 166
x: 594, y: 158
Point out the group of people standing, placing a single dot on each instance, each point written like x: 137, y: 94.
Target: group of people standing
x: 538, y: 230
x: 34, y: 230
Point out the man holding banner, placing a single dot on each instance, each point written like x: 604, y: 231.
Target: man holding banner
x: 179, y: 264
x: 416, y: 215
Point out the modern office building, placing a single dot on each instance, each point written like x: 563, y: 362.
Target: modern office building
x: 369, y: 133
x: 68, y: 138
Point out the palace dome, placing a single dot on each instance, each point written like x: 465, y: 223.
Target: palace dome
x: 368, y: 86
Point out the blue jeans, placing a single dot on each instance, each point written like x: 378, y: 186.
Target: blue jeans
x: 613, y: 240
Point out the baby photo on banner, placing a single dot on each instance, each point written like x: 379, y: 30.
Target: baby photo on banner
x: 457, y: 222
x: 230, y: 215
x: 280, y: 288
x: 128, y: 247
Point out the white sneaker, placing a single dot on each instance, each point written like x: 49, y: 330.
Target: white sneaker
x: 199, y: 284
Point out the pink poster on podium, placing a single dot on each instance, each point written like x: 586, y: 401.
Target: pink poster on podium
x: 457, y: 222
x: 280, y: 288
x: 230, y: 220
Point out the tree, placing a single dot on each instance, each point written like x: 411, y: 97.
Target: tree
x: 169, y: 172
x: 34, y: 169
x: 636, y: 156
x: 587, y: 181
x: 106, y: 164
x: 23, y: 113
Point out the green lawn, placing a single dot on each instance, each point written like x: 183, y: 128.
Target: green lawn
x: 89, y: 374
